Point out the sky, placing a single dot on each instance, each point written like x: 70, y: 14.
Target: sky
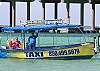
x: 37, y: 12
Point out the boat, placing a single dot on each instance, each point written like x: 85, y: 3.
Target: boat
x: 75, y: 50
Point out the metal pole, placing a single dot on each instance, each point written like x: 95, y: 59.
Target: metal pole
x: 10, y: 14
x: 14, y: 13
x: 68, y: 10
x: 93, y: 13
x: 28, y: 10
x: 56, y: 8
x: 82, y: 14
x: 23, y: 32
x: 43, y: 5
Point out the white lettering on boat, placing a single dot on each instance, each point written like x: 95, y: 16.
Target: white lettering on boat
x: 64, y: 52
x: 34, y: 54
x: 53, y: 53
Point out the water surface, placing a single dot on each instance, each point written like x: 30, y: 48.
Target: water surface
x: 49, y: 65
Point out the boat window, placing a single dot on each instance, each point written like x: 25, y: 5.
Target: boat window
x: 7, y: 36
x: 56, y: 39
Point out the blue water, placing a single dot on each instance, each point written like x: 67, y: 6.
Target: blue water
x: 49, y: 65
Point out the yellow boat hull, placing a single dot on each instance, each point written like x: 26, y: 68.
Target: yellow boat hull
x: 84, y: 51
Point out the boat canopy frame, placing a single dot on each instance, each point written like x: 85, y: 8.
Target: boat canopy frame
x: 43, y: 27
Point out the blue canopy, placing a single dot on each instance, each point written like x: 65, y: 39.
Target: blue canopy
x: 13, y: 28
x: 39, y: 27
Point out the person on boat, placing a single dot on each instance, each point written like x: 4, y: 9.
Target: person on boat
x: 17, y: 43
x: 14, y: 44
x: 32, y: 40
x: 11, y: 44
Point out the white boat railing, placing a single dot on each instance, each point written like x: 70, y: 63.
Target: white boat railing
x: 36, y: 22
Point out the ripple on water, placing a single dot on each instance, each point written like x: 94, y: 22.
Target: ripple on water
x: 48, y: 65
